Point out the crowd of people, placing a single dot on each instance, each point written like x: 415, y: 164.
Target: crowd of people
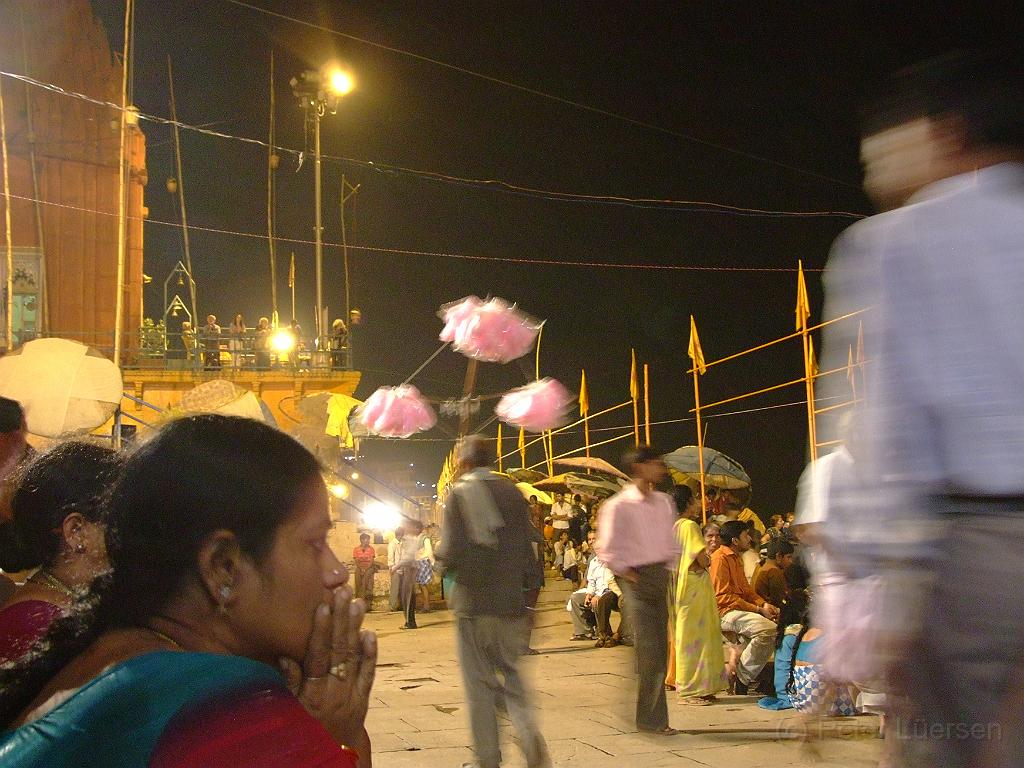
x: 252, y: 347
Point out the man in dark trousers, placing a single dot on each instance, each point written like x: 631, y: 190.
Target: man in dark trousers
x: 636, y: 541
x: 488, y: 543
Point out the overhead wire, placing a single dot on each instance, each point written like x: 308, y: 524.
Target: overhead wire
x: 431, y: 254
x: 668, y: 204
x: 551, y: 97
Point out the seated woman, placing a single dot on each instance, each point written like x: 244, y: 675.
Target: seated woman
x: 798, y: 683
x: 225, y: 633
x: 56, y: 528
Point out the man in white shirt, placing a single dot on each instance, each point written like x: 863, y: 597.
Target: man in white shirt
x: 593, y: 604
x: 394, y: 555
x: 561, y: 513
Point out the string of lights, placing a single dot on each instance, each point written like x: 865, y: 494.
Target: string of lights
x: 668, y: 204
x: 526, y: 261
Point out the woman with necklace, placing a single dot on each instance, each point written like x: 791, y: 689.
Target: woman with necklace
x: 56, y: 528
x: 223, y: 634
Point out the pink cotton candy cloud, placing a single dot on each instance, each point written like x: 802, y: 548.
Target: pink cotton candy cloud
x: 397, y: 412
x: 493, y: 331
x: 536, y: 407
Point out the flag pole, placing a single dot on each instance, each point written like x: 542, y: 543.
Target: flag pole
x: 9, y: 288
x: 499, y: 447
x: 696, y: 354
x: 647, y: 406
x: 546, y: 439
x: 585, y: 410
x: 271, y: 165
x: 634, y: 393
x: 803, y: 311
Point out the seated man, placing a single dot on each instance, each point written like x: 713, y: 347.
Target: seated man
x: 742, y: 611
x: 593, y: 604
x: 770, y: 578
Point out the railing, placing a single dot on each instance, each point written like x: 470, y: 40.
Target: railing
x: 152, y: 347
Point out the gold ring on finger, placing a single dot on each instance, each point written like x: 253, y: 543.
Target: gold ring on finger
x: 339, y: 671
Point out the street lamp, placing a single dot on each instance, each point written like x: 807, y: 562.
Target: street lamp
x: 318, y: 92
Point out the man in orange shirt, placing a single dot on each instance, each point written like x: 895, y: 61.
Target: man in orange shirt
x: 741, y: 609
x: 364, y: 556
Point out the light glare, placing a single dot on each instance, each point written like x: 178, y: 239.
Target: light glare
x: 341, y: 82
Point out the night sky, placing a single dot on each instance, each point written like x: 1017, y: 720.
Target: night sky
x: 742, y: 104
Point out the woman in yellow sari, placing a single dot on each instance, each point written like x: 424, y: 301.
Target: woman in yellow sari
x: 700, y: 670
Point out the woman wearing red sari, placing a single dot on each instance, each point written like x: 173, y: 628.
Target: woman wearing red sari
x: 225, y: 633
x: 57, y: 529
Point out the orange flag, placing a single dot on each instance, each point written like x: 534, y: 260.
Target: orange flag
x: 584, y: 400
x: 803, y: 306
x: 694, y: 351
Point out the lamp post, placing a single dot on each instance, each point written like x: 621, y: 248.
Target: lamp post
x: 318, y: 92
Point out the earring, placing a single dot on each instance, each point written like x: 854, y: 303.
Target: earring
x: 80, y: 548
x: 225, y: 595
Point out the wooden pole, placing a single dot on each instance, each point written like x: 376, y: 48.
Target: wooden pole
x: 122, y: 217
x: 647, y: 406
x: 499, y: 447
x: 522, y: 447
x: 9, y: 309
x: 812, y: 439
x: 634, y: 394
x: 271, y: 157
x: 181, y: 190
x: 586, y: 413
x: 700, y: 449
x: 44, y: 299
x: 546, y: 439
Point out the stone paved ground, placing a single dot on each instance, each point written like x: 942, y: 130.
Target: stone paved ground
x: 585, y: 700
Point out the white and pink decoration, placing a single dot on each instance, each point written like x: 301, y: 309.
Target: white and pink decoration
x: 493, y: 331
x: 538, y: 406
x: 397, y: 412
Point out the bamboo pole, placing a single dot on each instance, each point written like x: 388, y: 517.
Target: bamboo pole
x: 9, y: 309
x: 647, y: 406
x: 499, y: 447
x: 700, y: 449
x: 802, y: 311
x: 181, y: 190
x: 122, y: 217
x: 546, y: 436
x: 275, y: 318
x: 44, y: 298
x: 634, y: 393
x: 586, y: 415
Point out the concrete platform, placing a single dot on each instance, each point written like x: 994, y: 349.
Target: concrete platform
x: 585, y: 700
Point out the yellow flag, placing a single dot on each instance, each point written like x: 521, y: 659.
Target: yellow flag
x: 803, y: 306
x: 499, y: 446
x: 291, y: 273
x: 694, y: 351
x: 814, y: 360
x: 849, y: 365
x: 584, y: 400
x: 634, y: 385
x: 522, y: 446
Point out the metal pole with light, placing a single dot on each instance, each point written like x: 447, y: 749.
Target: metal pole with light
x: 318, y: 92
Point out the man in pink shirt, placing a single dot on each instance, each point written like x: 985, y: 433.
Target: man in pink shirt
x: 635, y: 541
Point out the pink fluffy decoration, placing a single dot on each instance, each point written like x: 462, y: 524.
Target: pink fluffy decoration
x: 397, y: 412
x: 493, y: 331
x: 538, y: 406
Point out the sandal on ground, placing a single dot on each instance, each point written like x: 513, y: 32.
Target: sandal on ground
x: 695, y: 701
x: 666, y: 731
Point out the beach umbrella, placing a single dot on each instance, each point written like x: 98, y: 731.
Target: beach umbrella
x: 593, y: 463
x: 525, y: 475
x: 64, y: 387
x: 528, y: 490
x: 720, y: 471
x: 574, y: 482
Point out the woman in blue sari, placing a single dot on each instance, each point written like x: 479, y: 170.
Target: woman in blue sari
x: 224, y: 635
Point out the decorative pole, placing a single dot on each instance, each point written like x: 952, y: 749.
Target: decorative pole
x: 803, y: 312
x: 122, y: 214
x: 9, y: 309
x: 585, y: 410
x: 634, y: 395
x: 647, y: 406
x: 696, y: 354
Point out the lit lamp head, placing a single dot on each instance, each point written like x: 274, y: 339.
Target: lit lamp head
x: 282, y: 341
